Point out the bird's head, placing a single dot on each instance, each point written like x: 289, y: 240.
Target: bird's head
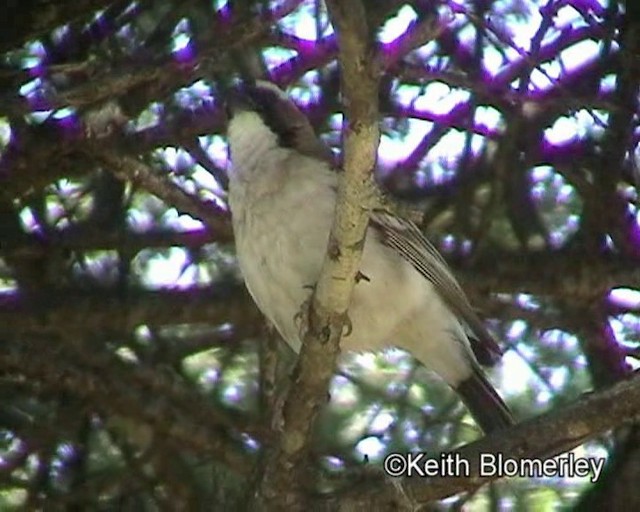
x: 262, y: 117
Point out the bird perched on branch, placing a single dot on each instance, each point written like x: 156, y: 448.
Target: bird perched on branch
x: 282, y: 195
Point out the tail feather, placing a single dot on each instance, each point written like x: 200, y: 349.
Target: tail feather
x: 484, y: 403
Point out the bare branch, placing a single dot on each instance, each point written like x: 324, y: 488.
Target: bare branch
x: 281, y: 484
x: 543, y: 437
x: 100, y: 310
x: 130, y: 169
x: 31, y: 18
x: 171, y: 409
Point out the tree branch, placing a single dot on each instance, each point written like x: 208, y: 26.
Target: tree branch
x: 543, y: 437
x: 28, y: 19
x: 282, y: 484
x: 171, y: 409
x: 187, y: 425
x: 130, y: 169
x: 108, y: 310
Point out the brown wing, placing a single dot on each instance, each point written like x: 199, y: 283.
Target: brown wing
x: 404, y: 237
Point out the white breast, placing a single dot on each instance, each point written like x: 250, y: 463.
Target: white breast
x: 280, y: 237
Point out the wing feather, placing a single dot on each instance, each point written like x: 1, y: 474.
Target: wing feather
x: 407, y: 240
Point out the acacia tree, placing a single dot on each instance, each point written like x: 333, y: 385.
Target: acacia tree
x: 136, y: 371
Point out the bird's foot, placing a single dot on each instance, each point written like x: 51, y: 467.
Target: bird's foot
x: 301, y: 318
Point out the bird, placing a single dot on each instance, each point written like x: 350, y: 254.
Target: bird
x: 282, y: 196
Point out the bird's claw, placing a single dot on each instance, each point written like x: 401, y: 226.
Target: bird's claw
x: 347, y: 326
x: 301, y: 318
